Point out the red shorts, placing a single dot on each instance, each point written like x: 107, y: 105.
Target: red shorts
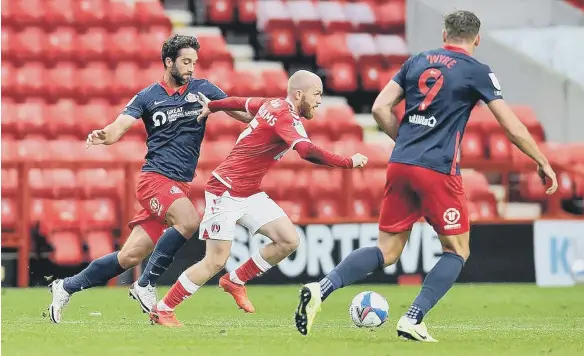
x: 412, y: 192
x: 156, y: 193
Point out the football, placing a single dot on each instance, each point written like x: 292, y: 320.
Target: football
x: 369, y: 310
x: 577, y: 271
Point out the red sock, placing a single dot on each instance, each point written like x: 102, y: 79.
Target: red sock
x: 180, y: 290
x: 251, y: 269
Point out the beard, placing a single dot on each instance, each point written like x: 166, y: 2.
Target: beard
x: 305, y: 109
x: 177, y: 77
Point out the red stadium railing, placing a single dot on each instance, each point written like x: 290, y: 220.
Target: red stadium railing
x: 21, y: 239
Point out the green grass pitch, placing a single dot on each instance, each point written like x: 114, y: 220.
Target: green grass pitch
x: 470, y: 320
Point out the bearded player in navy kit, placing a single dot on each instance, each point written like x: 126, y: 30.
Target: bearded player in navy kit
x: 169, y: 110
x: 440, y: 87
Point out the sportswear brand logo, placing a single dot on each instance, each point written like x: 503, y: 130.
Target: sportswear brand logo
x: 159, y: 102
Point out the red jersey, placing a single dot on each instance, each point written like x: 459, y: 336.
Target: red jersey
x: 275, y: 129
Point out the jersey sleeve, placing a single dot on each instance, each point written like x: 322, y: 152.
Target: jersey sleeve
x: 486, y: 84
x: 400, y: 77
x: 136, y: 106
x: 290, y: 129
x: 212, y: 91
x: 253, y: 105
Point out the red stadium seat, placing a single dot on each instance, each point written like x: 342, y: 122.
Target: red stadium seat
x: 247, y: 10
x: 361, y: 15
x: 127, y: 82
x: 66, y: 150
x: 99, y: 182
x: 9, y: 149
x: 251, y: 83
x: 308, y: 24
x: 67, y: 248
x: 30, y: 117
x: 8, y: 18
x: 393, y: 48
x: 93, y: 115
x: 223, y: 78
x: 25, y: 13
x: 8, y: 45
x: 131, y: 150
x: 62, y: 118
x: 99, y: 243
x: 472, y: 148
x: 122, y: 13
x: 327, y: 209
x: 274, y: 19
x: 95, y: 81
x: 62, y: 81
x: 59, y: 13
x: 342, y: 78
x: 276, y: 82
x: 333, y: 49
x: 63, y: 183
x: 123, y: 44
x: 9, y: 213
x: 216, y: 52
x: 60, y: 45
x: 40, y: 183
x: 333, y: 17
x: 30, y: 81
x: 391, y: 16
x: 220, y: 11
x: 99, y: 214
x: 9, y: 116
x: 368, y: 59
x: 29, y: 44
x: 528, y: 118
x: 9, y: 181
x: 90, y: 13
x: 32, y: 149
x: 66, y: 215
x: 152, y: 41
x: 151, y: 13
x: 92, y: 45
x: 295, y: 210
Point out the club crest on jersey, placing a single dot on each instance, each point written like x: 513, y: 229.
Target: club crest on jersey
x: 191, y: 98
x: 155, y: 206
x: 451, y: 217
x: 215, y: 228
x: 300, y: 128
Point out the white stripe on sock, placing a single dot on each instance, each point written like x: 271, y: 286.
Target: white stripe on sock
x: 233, y: 278
x: 161, y: 305
x: 187, y: 284
x: 262, y: 264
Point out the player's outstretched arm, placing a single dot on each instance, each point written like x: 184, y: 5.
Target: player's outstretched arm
x: 240, y: 108
x: 112, y: 132
x: 520, y: 136
x: 314, y: 154
x: 389, y: 97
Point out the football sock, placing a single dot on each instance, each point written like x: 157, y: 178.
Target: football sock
x: 97, y: 273
x: 354, y: 267
x: 438, y: 281
x: 182, y: 289
x: 254, y: 267
x: 162, y: 256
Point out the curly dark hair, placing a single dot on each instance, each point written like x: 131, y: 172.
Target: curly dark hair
x: 462, y: 25
x: 175, y: 43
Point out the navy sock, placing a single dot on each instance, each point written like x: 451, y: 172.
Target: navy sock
x: 162, y: 256
x: 97, y: 273
x: 355, y: 267
x: 438, y: 281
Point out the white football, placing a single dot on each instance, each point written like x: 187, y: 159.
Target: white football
x: 577, y: 270
x: 369, y: 310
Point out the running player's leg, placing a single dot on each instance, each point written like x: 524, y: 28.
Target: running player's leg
x: 400, y: 209
x: 169, y: 202
x: 100, y: 271
x: 263, y: 216
x: 444, y: 206
x: 217, y: 228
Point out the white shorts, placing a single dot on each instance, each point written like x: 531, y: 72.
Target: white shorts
x: 223, y: 212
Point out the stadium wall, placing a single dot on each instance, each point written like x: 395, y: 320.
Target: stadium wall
x: 557, y: 101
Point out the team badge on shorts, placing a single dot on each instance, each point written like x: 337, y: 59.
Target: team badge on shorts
x: 155, y: 206
x: 175, y: 190
x: 191, y: 98
x: 451, y: 217
x: 215, y: 228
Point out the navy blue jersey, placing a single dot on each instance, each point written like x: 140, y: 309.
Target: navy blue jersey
x: 174, y: 135
x: 441, y: 87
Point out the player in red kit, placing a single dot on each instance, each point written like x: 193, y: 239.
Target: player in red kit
x: 233, y: 195
x: 440, y: 87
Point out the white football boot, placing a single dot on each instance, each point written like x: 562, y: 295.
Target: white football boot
x: 415, y: 332
x: 146, y: 296
x: 60, y: 300
x: 308, y: 307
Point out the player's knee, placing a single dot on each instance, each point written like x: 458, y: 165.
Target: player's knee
x: 463, y: 250
x: 215, y: 263
x: 290, y: 243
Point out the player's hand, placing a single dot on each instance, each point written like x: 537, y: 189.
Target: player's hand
x: 96, y: 137
x: 204, y: 101
x: 359, y: 160
x: 545, y: 172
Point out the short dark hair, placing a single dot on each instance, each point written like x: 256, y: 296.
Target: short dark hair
x: 462, y: 25
x: 175, y: 43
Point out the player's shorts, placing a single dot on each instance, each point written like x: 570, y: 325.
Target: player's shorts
x: 412, y: 192
x: 223, y: 212
x: 156, y: 193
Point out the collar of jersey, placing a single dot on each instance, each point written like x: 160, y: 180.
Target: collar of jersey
x: 455, y: 49
x: 290, y: 103
x: 181, y: 90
